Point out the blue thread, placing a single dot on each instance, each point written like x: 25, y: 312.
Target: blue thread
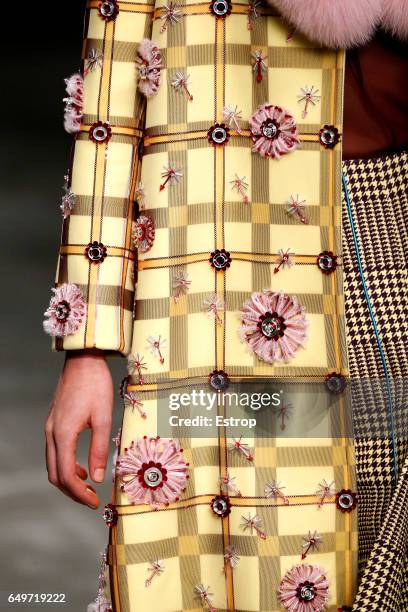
x: 373, y: 321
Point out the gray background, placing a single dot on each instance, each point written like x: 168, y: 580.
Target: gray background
x: 48, y: 543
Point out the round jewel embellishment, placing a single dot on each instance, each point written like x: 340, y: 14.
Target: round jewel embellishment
x: 304, y: 588
x: 329, y: 136
x: 96, y: 252
x: 152, y: 471
x: 100, y: 132
x: 346, y: 500
x: 220, y: 259
x: 108, y: 10
x: 143, y: 233
x: 335, y: 383
x: 327, y: 262
x: 66, y: 311
x: 273, y: 131
x: 274, y: 325
x: 221, y: 506
x: 218, y: 380
x: 110, y: 515
x: 221, y: 8
x: 218, y: 134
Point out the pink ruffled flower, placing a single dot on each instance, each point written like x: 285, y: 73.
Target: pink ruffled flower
x: 273, y: 325
x: 149, y: 65
x: 273, y: 131
x: 66, y: 312
x: 152, y: 471
x: 74, y: 103
x: 304, y: 588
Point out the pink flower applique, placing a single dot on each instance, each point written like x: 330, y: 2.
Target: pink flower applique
x: 68, y: 199
x: 156, y: 568
x: 274, y: 131
x: 181, y: 285
x: 66, y: 312
x: 133, y: 400
x: 101, y: 603
x: 74, y: 103
x: 149, y: 65
x: 152, y: 471
x: 304, y: 588
x: 93, y: 61
x: 273, y: 325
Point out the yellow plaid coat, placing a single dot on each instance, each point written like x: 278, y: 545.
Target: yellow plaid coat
x: 193, y: 217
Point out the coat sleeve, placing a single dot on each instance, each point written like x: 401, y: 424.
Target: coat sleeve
x: 97, y: 259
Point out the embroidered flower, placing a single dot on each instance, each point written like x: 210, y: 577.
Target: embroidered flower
x: 273, y: 131
x: 68, y: 199
x: 241, y: 185
x: 231, y: 557
x: 152, y: 471
x: 253, y: 523
x: 171, y: 175
x: 181, y: 82
x: 136, y: 364
x: 273, y: 325
x: 296, y: 207
x: 232, y: 116
x: 325, y: 490
x: 143, y: 233
x: 171, y: 12
x: 66, y: 312
x: 156, y: 345
x: 274, y: 490
x: 132, y: 399
x: 140, y: 196
x: 285, y: 260
x: 240, y: 447
x: 308, y: 95
x: 181, y: 285
x: 74, y: 103
x: 149, y: 65
x: 311, y: 542
x: 213, y: 304
x: 93, y: 61
x: 205, y: 596
x: 228, y: 485
x: 259, y: 65
x: 253, y: 13
x: 304, y: 588
x: 101, y: 604
x: 156, y: 568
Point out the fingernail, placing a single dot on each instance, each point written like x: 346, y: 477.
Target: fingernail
x: 90, y: 489
x: 99, y: 474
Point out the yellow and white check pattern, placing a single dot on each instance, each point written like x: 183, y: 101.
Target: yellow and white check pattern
x: 197, y: 215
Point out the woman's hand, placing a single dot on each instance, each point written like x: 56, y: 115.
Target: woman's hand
x: 83, y: 399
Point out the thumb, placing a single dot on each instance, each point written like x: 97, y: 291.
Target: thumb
x: 99, y: 449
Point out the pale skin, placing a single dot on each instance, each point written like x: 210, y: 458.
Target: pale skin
x: 83, y: 400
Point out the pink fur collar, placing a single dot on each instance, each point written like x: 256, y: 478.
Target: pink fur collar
x: 345, y: 23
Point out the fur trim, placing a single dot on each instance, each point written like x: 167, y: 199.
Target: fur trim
x: 336, y: 23
x: 395, y: 17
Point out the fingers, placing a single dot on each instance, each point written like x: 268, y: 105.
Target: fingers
x: 51, y: 460
x: 71, y: 475
x: 99, y: 448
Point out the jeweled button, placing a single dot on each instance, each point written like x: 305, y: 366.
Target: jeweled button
x: 335, y: 383
x: 221, y: 8
x: 110, y: 515
x: 306, y: 592
x: 220, y: 505
x: 269, y: 129
x: 329, y: 136
x: 219, y: 380
x: 218, y: 134
x: 108, y: 10
x: 327, y: 262
x: 220, y: 259
x: 96, y: 252
x: 100, y: 132
x: 153, y: 476
x: 346, y: 500
x: 62, y: 311
x: 271, y: 325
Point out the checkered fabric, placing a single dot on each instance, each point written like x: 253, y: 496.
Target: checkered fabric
x: 194, y: 217
x: 379, y: 198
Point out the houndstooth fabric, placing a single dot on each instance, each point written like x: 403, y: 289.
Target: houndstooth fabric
x: 379, y: 198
